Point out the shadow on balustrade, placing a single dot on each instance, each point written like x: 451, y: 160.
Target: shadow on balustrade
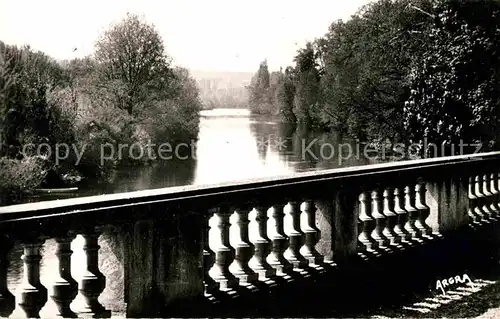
x: 358, y: 287
x: 354, y: 286
x: 248, y: 299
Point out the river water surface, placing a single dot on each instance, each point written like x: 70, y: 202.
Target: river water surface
x: 234, y: 145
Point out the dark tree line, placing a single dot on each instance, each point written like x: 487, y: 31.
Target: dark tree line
x: 404, y: 70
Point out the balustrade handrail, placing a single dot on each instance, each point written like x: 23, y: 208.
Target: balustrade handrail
x: 54, y: 208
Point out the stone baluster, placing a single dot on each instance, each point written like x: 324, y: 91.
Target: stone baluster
x: 487, y: 190
x: 277, y: 259
x: 7, y: 299
x: 380, y: 220
x: 93, y: 281
x: 211, y: 285
x: 366, y: 223
x: 262, y: 245
x: 296, y: 238
x: 224, y: 254
x: 495, y: 193
x: 392, y: 217
x: 402, y: 214
x: 474, y: 211
x: 33, y: 294
x: 65, y: 287
x: 423, y: 211
x: 497, y: 183
x: 482, y: 209
x: 488, y: 197
x: 311, y: 234
x: 413, y: 214
x: 244, y: 249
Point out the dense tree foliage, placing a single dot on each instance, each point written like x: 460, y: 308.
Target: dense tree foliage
x: 176, y: 118
x: 285, y: 94
x: 260, y: 93
x: 133, y: 63
x: 26, y: 112
x: 455, y: 87
x: 126, y: 93
x: 404, y: 70
x: 307, y: 86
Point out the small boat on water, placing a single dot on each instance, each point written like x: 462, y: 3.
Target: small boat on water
x: 56, y: 190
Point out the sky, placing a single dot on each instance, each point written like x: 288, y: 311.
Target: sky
x: 211, y: 35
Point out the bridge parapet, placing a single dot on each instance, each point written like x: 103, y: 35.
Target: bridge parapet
x: 188, y: 244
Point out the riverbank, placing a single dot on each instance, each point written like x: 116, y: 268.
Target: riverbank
x: 58, y: 115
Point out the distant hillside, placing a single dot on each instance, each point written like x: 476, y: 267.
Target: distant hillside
x: 223, y: 89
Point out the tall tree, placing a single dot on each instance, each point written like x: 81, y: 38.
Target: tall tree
x: 366, y: 65
x: 27, y: 78
x: 307, y: 90
x: 285, y: 93
x: 133, y: 61
x: 260, y: 99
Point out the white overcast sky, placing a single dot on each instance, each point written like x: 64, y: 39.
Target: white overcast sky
x: 220, y: 35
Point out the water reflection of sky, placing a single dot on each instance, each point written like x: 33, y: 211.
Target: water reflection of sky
x: 235, y: 145
x: 227, y: 151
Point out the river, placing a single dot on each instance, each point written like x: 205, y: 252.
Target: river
x: 232, y: 145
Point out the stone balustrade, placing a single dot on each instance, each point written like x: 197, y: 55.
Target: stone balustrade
x: 282, y: 226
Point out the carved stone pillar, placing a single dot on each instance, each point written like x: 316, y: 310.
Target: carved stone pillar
x: 7, y: 299
x: 392, y: 217
x: 244, y: 249
x: 402, y: 214
x: 280, y: 240
x: 423, y: 211
x: 262, y: 246
x: 33, y: 294
x: 496, y: 180
x: 311, y: 234
x: 482, y: 208
x: 494, y: 195
x: 488, y: 198
x: 93, y: 281
x: 208, y: 257
x: 224, y: 254
x: 296, y: 238
x: 380, y: 220
x: 474, y: 212
x: 366, y: 223
x: 65, y: 287
x: 413, y: 214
